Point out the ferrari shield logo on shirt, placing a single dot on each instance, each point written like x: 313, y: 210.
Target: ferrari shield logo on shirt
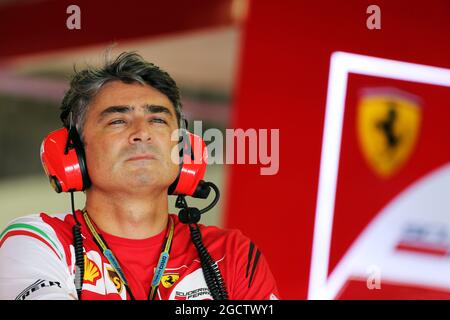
x: 388, y: 124
x: 169, y: 279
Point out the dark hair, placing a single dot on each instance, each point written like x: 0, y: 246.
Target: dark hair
x: 128, y: 67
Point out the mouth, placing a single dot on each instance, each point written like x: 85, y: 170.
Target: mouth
x: 142, y: 157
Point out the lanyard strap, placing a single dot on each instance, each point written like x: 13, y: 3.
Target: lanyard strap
x: 160, y: 267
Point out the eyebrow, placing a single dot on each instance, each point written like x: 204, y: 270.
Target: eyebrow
x: 149, y: 108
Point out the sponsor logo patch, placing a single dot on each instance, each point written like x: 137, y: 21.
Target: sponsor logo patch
x: 91, y: 271
x: 114, y: 277
x: 191, y: 287
x: 195, y: 294
x: 39, y: 284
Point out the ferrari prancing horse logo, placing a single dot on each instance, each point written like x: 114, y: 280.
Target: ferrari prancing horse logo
x: 388, y: 125
x: 169, y: 280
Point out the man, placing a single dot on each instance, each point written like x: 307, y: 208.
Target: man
x: 125, y: 113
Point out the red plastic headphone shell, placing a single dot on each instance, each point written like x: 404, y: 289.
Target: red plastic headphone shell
x: 192, y: 171
x: 64, y: 169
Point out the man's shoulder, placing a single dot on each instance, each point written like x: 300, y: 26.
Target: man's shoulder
x: 213, y: 232
x: 36, y: 233
x: 228, y: 236
x: 30, y: 221
x: 221, y: 231
x: 38, y: 219
x: 40, y: 225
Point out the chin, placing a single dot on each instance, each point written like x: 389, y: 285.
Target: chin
x: 143, y: 181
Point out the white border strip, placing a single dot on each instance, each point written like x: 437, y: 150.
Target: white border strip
x: 341, y: 65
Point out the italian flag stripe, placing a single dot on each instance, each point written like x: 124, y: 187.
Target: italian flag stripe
x: 30, y: 230
x: 30, y: 234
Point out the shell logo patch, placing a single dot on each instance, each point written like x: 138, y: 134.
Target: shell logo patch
x: 91, y: 271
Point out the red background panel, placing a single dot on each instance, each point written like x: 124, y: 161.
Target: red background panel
x: 282, y: 83
x: 360, y: 193
x: 39, y: 26
x: 391, y: 290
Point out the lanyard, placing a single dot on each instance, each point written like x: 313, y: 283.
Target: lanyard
x: 160, y: 267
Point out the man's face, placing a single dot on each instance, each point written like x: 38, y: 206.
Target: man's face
x: 127, y: 136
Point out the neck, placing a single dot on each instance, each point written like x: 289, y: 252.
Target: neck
x: 128, y: 216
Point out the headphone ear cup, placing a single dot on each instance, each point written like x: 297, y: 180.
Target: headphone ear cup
x: 81, y: 156
x: 194, y: 156
x: 64, y: 164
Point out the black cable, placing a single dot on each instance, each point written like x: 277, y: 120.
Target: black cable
x: 191, y: 216
x: 216, y: 197
x: 211, y: 271
x: 79, y: 255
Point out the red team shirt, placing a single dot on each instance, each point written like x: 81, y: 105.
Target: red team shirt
x: 37, y: 261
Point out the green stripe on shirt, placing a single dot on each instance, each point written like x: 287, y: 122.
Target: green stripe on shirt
x: 16, y: 226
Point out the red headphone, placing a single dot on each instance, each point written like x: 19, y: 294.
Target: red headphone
x: 64, y: 162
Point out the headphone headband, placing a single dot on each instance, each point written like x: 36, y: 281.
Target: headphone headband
x: 64, y: 161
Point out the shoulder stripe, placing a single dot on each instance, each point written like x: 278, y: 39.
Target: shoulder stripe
x: 250, y: 256
x: 255, y: 262
x: 30, y: 234
x: 39, y: 234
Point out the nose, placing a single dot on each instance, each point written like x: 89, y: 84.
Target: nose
x: 140, y: 132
